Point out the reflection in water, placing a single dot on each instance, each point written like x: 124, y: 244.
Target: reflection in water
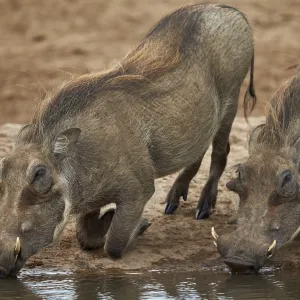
x: 47, y: 284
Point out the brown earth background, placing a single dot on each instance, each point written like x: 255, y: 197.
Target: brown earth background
x: 42, y: 42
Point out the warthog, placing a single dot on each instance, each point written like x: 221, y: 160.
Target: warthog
x: 103, y: 138
x: 268, y: 186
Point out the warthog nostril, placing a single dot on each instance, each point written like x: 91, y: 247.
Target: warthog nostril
x: 3, y: 272
x: 271, y: 249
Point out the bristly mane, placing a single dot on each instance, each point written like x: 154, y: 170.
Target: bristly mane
x: 285, y: 105
x: 283, y: 114
x: 164, y: 48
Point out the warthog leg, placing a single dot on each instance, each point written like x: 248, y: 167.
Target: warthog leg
x: 180, y: 187
x: 90, y: 229
x: 126, y: 225
x: 221, y: 149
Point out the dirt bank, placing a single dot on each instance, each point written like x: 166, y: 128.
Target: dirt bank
x: 177, y: 240
x: 42, y: 41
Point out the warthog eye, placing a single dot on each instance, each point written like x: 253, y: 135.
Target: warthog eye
x: 287, y: 184
x: 39, y: 178
x: 39, y: 174
x: 287, y: 179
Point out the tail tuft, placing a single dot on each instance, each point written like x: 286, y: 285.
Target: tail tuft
x: 250, y: 96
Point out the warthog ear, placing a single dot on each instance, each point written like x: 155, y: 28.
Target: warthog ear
x: 65, y: 143
x: 22, y: 133
x: 296, y: 153
x: 296, y: 145
x: 253, y: 137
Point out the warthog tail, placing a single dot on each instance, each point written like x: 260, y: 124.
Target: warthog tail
x: 250, y: 97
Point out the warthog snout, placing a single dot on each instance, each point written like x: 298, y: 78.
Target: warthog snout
x: 267, y: 185
x: 11, y: 260
x: 34, y: 205
x: 244, y: 255
x: 3, y: 272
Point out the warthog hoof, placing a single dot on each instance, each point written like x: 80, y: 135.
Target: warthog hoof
x: 202, y: 214
x: 206, y: 203
x: 143, y: 226
x: 178, y: 190
x: 170, y: 208
x: 114, y: 253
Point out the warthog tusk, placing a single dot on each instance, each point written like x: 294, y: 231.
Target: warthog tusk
x: 214, y: 234
x: 215, y: 244
x: 17, y: 247
x: 272, y: 246
x: 271, y: 249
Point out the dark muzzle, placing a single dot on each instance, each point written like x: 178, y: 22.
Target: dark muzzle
x: 240, y: 265
x: 3, y: 272
x: 243, y: 255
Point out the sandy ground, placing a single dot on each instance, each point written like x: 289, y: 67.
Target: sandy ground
x: 43, y: 41
x: 171, y: 241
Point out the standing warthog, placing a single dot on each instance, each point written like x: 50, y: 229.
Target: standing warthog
x: 104, y: 138
x: 267, y: 185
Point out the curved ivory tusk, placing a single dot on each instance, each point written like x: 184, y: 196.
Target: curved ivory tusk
x: 214, y: 234
x: 272, y: 246
x: 17, y: 246
x: 215, y: 244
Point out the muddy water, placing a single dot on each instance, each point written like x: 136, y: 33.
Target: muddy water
x: 63, y: 285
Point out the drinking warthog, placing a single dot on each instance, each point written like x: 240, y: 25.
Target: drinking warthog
x: 267, y: 185
x: 104, y: 138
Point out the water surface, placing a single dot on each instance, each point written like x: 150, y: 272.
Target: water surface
x: 65, y: 285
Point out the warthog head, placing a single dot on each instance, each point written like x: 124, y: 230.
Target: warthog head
x: 268, y: 186
x: 34, y: 201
